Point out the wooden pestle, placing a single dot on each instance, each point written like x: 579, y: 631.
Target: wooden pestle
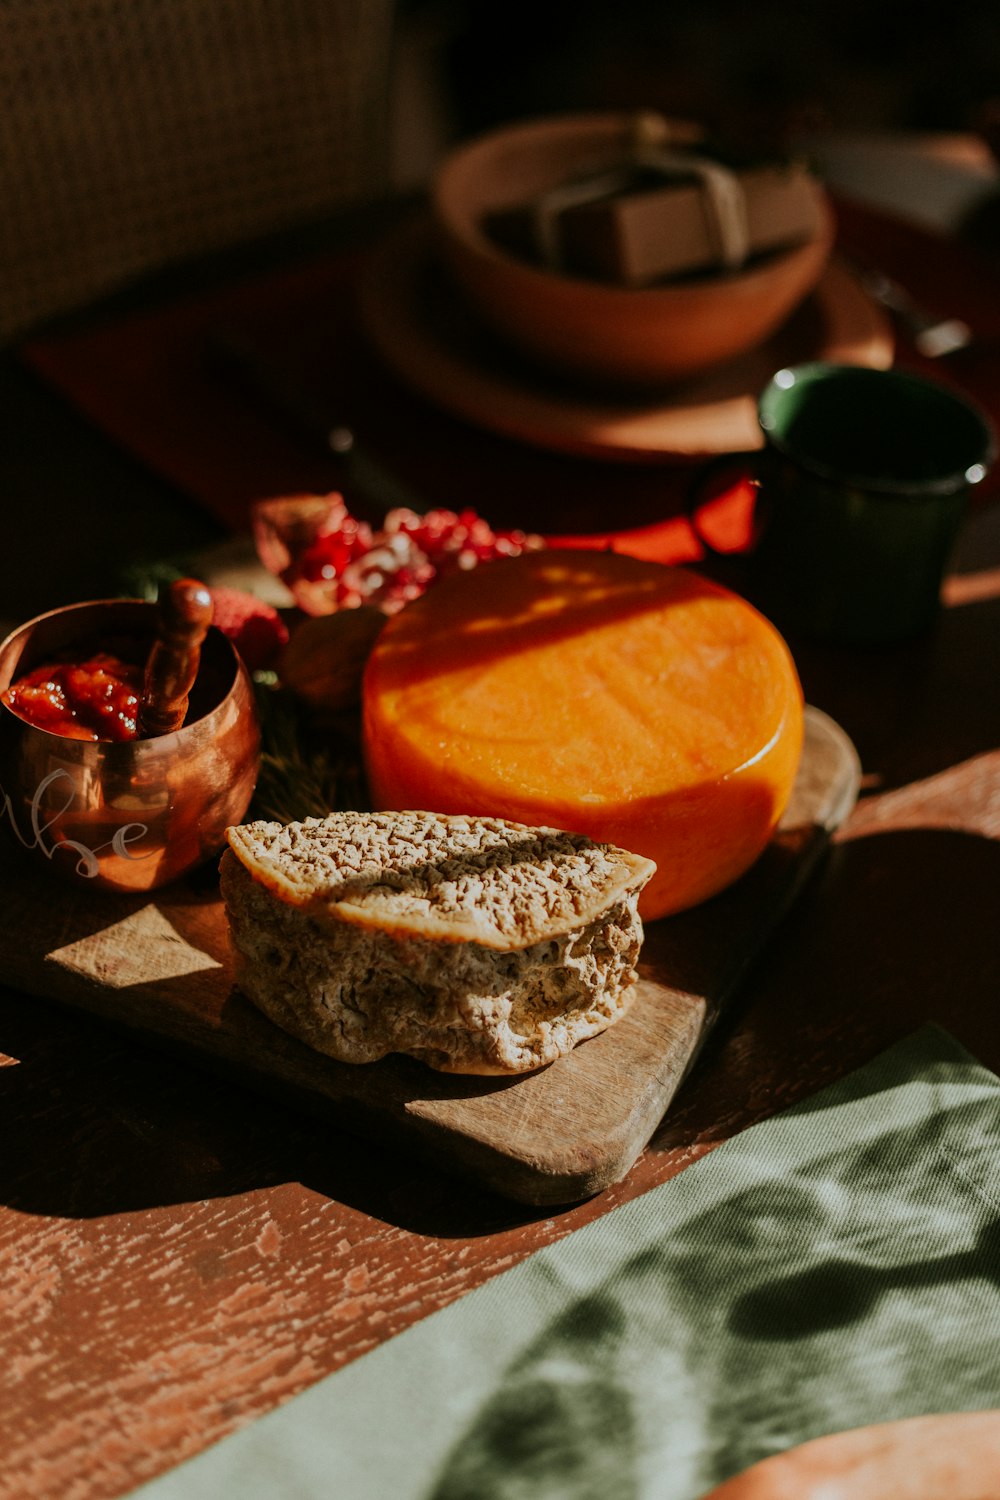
x: 172, y: 664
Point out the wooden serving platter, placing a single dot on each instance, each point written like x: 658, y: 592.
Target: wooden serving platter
x: 160, y: 965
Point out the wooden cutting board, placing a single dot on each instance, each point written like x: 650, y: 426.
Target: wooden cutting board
x: 160, y: 965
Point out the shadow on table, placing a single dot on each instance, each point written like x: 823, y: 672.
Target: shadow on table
x: 920, y: 708
x: 896, y: 930
x: 95, y: 1122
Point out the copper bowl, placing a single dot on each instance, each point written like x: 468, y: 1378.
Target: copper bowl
x: 136, y: 815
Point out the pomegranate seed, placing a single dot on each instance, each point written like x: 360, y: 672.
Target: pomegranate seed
x: 334, y: 561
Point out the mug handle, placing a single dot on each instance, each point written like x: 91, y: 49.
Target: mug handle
x: 740, y: 465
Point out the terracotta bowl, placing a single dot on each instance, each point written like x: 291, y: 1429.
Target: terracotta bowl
x: 587, y: 328
x: 137, y: 814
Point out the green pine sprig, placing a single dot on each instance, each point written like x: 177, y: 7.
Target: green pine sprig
x: 306, y: 771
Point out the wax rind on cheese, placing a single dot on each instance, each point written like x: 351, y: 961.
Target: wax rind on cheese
x: 640, y: 704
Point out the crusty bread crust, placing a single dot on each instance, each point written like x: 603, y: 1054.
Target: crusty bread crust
x: 476, y: 945
x: 453, y: 879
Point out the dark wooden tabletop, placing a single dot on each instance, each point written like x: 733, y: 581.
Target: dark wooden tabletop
x: 179, y: 1256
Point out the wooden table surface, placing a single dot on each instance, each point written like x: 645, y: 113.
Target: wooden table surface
x: 178, y: 1256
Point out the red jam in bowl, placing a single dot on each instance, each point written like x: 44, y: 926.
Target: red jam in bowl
x: 96, y: 699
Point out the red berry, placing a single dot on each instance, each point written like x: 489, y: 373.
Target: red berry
x: 256, y: 629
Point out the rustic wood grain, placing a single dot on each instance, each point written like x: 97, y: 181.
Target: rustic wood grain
x: 162, y: 965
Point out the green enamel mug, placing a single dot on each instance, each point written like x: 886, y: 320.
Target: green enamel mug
x: 862, y: 485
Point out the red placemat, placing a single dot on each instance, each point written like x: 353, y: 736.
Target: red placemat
x: 153, y: 382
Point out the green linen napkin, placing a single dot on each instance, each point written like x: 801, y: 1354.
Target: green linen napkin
x: 834, y: 1266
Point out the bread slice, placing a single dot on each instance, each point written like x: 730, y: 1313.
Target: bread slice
x: 473, y: 944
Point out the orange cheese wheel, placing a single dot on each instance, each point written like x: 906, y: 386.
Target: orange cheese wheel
x: 639, y: 704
